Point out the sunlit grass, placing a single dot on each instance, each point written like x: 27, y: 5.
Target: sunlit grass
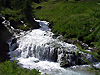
x: 72, y: 19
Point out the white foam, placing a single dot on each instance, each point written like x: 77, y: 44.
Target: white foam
x: 32, y: 47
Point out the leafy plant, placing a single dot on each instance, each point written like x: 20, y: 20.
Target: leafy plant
x: 12, y: 68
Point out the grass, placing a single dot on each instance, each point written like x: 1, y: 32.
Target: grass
x: 72, y: 19
x: 12, y: 68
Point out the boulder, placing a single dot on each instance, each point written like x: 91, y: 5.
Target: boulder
x: 14, y: 41
x: 75, y: 41
x: 54, y: 55
x: 68, y: 58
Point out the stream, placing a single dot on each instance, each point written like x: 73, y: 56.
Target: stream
x: 38, y: 49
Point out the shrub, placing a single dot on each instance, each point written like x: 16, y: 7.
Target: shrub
x: 12, y: 68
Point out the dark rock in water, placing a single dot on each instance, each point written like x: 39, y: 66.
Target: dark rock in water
x: 36, y: 61
x: 54, y: 55
x: 17, y: 31
x: 55, y: 36
x: 68, y: 59
x: 16, y: 46
x: 14, y: 41
x: 64, y: 62
x: 39, y: 7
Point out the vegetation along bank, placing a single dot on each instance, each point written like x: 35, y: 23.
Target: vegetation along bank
x: 75, y: 20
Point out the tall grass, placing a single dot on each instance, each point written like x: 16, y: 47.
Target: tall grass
x: 72, y: 19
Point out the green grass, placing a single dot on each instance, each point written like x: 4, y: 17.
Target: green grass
x: 72, y: 19
x: 12, y: 68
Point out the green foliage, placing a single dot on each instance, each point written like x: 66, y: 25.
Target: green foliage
x: 12, y: 14
x: 18, y: 10
x: 95, y: 55
x: 17, y: 4
x: 73, y: 19
x: 12, y: 68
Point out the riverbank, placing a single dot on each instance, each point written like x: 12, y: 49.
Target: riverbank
x: 74, y: 20
x: 65, y: 22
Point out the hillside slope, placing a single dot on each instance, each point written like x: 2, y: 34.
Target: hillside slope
x: 79, y: 20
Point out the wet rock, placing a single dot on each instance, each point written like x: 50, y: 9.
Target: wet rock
x: 54, y: 55
x: 16, y: 53
x: 64, y: 62
x: 75, y: 41
x: 36, y: 61
x: 14, y: 44
x: 54, y: 36
x: 17, y: 31
x: 68, y: 59
x: 14, y: 41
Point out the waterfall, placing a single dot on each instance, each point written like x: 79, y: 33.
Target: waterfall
x: 38, y: 49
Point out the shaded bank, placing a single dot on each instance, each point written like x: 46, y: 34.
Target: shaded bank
x: 4, y: 36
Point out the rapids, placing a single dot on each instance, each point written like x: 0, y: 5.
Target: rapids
x: 38, y: 49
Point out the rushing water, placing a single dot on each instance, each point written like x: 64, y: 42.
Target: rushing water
x: 37, y: 49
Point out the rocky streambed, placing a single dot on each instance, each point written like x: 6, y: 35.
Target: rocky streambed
x: 38, y: 49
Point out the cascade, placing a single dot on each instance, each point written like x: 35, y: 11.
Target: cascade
x: 38, y: 49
